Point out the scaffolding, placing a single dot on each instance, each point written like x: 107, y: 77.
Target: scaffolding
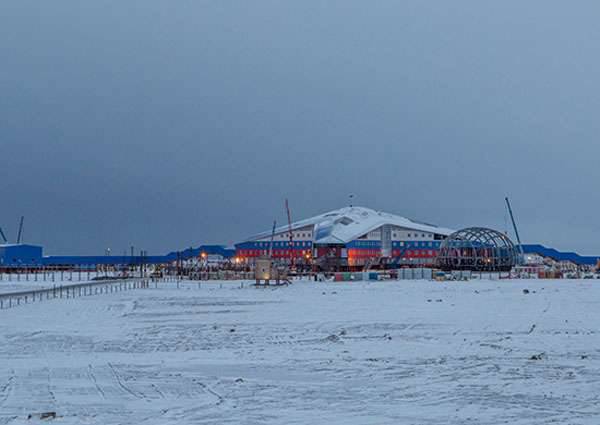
x: 477, y: 249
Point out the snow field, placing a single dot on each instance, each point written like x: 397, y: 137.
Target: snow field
x: 405, y: 352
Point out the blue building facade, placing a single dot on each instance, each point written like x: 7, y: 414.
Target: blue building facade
x: 20, y: 255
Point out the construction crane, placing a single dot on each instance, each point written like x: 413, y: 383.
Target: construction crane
x: 3, y: 235
x: 20, y: 235
x: 512, y: 218
x: 289, y: 217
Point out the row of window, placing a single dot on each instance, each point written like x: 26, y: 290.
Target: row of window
x: 364, y: 244
x: 415, y: 253
x: 351, y: 252
x: 364, y: 253
x: 415, y: 244
x: 416, y: 235
x: 280, y: 244
x: 395, y: 253
x: 296, y: 235
x: 276, y: 252
x: 308, y: 235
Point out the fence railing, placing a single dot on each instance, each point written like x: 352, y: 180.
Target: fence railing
x: 13, y: 299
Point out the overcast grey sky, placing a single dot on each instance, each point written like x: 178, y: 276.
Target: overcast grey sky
x: 165, y: 124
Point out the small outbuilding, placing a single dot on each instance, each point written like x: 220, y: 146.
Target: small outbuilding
x: 20, y: 255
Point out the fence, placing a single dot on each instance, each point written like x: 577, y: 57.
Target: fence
x: 13, y: 299
x: 220, y: 275
x: 55, y: 274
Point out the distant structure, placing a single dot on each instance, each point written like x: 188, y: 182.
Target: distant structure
x: 25, y: 255
x: 541, y: 250
x: 349, y: 238
x: 19, y: 255
x: 478, y: 249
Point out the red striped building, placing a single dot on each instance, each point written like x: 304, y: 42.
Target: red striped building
x: 350, y: 237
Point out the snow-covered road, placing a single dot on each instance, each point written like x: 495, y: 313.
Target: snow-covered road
x: 337, y: 353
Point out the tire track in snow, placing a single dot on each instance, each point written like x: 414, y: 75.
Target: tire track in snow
x: 7, y: 389
x: 52, y: 395
x: 95, y: 381
x: 125, y: 387
x: 160, y: 393
x: 220, y: 398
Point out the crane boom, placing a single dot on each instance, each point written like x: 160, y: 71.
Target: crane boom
x: 512, y: 218
x: 20, y: 235
x: 289, y: 217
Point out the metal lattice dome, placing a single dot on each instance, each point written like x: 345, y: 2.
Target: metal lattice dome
x: 477, y: 249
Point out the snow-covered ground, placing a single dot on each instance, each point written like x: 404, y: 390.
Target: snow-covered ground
x: 14, y: 286
x: 337, y: 353
x: 26, y: 282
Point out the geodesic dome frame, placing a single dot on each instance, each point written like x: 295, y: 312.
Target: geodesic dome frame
x: 477, y: 249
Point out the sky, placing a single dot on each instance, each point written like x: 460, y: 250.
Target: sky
x: 168, y: 124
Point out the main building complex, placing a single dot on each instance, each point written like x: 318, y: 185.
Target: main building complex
x: 352, y: 236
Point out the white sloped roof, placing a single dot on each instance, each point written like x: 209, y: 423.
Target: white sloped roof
x: 350, y: 223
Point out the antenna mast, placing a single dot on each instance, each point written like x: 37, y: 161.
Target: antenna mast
x: 19, y: 236
x: 272, y: 237
x: 512, y: 218
x: 289, y: 217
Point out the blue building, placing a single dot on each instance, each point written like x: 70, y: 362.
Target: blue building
x: 20, y: 255
x: 561, y: 256
x: 186, y: 254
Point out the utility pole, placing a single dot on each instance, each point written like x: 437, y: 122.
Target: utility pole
x: 142, y: 263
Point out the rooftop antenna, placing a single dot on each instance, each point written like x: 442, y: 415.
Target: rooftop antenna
x: 272, y: 237
x: 506, y: 221
x: 3, y: 235
x: 289, y: 217
x: 512, y: 218
x: 20, y: 235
